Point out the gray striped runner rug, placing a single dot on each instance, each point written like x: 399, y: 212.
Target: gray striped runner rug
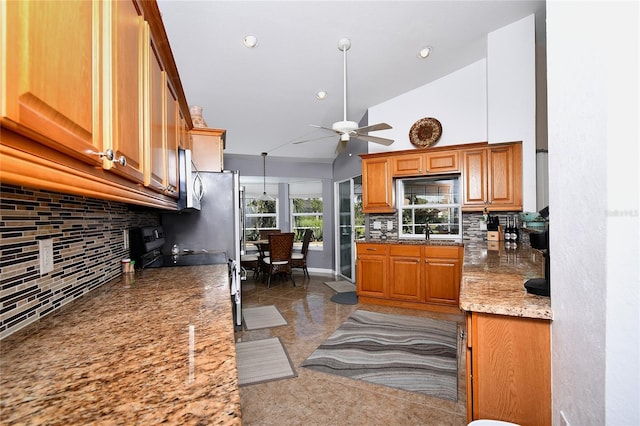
x: 404, y: 352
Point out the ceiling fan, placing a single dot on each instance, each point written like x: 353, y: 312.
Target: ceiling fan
x: 349, y: 129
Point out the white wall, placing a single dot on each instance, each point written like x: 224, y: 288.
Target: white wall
x: 458, y: 101
x: 490, y: 100
x: 593, y: 95
x: 511, y: 96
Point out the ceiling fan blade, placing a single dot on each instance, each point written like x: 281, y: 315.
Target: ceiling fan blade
x: 313, y: 139
x: 342, y: 146
x: 373, y: 127
x: 376, y: 139
x: 324, y: 128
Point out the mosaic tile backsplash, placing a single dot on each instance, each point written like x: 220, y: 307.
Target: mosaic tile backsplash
x: 88, y: 245
x: 471, y: 230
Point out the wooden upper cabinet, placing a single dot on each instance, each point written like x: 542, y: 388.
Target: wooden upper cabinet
x: 155, y: 167
x: 208, y: 146
x: 475, y: 177
x: 505, y: 174
x: 124, y: 129
x: 442, y: 161
x: 377, y: 186
x: 173, y: 129
x: 425, y: 162
x: 408, y: 165
x: 51, y: 69
x: 492, y: 177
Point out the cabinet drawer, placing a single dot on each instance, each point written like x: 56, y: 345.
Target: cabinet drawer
x: 445, y: 252
x: 373, y: 249
x: 405, y: 250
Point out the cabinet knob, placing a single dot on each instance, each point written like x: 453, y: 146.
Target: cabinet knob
x: 108, y: 154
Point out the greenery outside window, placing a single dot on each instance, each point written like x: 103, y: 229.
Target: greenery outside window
x: 432, y: 202
x: 306, y: 208
x: 260, y: 215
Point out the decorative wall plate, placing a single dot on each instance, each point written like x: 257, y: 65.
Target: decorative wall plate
x: 425, y: 132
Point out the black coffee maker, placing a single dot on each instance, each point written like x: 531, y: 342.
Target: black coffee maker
x: 540, y: 241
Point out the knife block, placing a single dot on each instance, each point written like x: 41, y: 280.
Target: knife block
x: 495, y: 235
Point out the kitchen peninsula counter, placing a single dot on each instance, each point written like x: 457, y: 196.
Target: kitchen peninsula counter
x: 146, y: 348
x: 493, y: 280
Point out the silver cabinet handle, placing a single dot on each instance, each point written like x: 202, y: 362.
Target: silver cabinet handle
x: 109, y: 155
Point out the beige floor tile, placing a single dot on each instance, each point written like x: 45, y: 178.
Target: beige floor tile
x: 315, y: 398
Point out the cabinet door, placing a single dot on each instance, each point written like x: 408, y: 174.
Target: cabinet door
x: 155, y: 165
x: 474, y: 181
x: 442, y: 266
x: 208, y: 145
x: 51, y: 69
x: 371, y: 270
x: 442, y: 278
x: 504, y: 175
x: 172, y: 128
x: 405, y: 273
x: 442, y: 161
x: 377, y: 186
x: 124, y: 107
x: 408, y: 165
x: 511, y: 365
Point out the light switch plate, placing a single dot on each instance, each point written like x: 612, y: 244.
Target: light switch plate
x: 389, y: 225
x: 45, y: 248
x: 377, y: 224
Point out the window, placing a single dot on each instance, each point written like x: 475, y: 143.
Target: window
x: 259, y: 214
x: 430, y: 202
x: 306, y: 210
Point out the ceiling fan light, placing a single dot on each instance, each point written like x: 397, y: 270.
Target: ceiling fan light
x: 424, y: 52
x: 344, y: 126
x: 250, y: 41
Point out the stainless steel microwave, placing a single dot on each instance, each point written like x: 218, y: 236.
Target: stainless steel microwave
x: 190, y: 187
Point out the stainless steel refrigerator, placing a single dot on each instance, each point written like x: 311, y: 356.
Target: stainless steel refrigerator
x: 216, y: 227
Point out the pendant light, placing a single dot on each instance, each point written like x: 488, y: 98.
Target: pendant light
x: 264, y: 196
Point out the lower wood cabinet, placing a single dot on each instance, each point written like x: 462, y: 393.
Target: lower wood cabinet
x: 508, y: 369
x: 372, y: 270
x: 410, y: 275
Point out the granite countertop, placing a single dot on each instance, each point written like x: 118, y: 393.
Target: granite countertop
x: 493, y: 277
x: 151, y: 347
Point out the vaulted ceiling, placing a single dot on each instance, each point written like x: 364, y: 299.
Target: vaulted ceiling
x: 266, y: 96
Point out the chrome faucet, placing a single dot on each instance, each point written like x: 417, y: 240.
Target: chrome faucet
x: 427, y: 231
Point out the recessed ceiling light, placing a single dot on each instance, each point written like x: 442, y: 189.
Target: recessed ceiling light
x: 250, y: 40
x: 321, y: 95
x: 424, y: 52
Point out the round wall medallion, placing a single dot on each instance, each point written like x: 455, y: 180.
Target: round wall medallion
x: 425, y: 132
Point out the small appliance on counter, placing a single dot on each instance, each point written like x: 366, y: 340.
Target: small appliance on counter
x: 540, y: 241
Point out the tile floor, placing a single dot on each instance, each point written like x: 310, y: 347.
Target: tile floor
x: 315, y: 398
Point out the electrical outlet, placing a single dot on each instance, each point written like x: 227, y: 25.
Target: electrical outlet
x: 563, y: 419
x: 125, y: 238
x: 389, y: 225
x: 45, y: 248
x: 377, y: 225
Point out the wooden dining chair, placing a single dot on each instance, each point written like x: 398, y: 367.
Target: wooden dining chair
x: 279, y: 260
x: 299, y: 260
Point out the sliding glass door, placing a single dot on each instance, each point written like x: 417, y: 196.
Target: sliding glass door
x: 350, y: 222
